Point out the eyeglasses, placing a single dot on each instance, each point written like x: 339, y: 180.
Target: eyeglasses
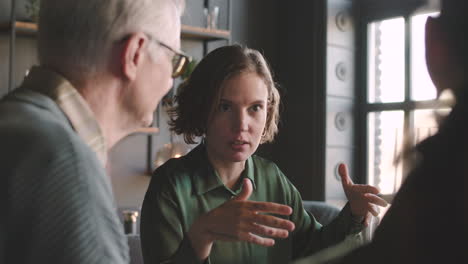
x: 180, y: 60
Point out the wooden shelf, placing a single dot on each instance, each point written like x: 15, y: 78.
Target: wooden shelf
x: 188, y: 32
x: 204, y: 33
x: 23, y: 28
x: 147, y: 130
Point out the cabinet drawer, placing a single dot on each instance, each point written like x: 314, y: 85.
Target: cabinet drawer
x: 340, y: 72
x: 340, y: 24
x: 340, y: 122
x: 333, y: 188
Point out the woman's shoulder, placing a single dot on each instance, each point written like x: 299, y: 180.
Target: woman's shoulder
x: 172, y: 171
x: 265, y: 164
x: 177, y: 173
x: 269, y: 176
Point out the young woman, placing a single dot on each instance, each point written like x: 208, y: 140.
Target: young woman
x: 222, y: 204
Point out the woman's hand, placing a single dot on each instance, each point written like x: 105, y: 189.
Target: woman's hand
x: 363, y: 199
x: 240, y: 220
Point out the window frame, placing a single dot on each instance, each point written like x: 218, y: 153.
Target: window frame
x: 378, y: 11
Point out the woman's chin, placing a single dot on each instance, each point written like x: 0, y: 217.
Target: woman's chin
x: 239, y: 156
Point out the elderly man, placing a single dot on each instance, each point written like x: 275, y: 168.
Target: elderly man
x: 104, y: 66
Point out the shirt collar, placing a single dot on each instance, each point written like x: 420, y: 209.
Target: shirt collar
x: 206, y: 179
x: 74, y: 106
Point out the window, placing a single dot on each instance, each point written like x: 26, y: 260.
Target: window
x: 401, y: 105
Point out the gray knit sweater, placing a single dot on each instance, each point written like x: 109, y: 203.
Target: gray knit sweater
x: 57, y: 204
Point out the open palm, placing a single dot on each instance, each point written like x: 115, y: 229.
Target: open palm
x: 362, y: 198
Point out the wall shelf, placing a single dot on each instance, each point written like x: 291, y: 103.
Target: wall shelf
x: 187, y: 32
x: 199, y: 33
x: 147, y: 130
x: 22, y: 28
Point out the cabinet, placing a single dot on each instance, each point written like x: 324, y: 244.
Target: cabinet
x: 340, y: 96
x: 317, y: 66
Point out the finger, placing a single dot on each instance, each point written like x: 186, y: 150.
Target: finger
x: 262, y: 241
x: 343, y: 171
x: 246, y: 191
x: 267, y: 207
x: 245, y: 236
x: 272, y: 221
x: 372, y: 198
x: 362, y: 188
x: 367, y: 219
x: 374, y: 210
x: 267, y: 231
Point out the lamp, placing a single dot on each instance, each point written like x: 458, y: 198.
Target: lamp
x: 171, y: 150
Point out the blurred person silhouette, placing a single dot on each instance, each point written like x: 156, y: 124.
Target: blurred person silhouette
x: 427, y: 221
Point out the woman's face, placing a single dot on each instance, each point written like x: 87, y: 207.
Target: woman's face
x: 235, y: 129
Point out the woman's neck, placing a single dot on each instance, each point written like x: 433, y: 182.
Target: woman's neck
x: 229, y: 172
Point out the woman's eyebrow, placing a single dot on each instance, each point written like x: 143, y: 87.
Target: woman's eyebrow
x: 259, y: 101
x: 222, y: 100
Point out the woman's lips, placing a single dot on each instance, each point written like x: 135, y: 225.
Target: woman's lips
x: 239, y: 145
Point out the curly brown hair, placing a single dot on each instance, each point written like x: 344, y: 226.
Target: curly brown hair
x: 198, y: 97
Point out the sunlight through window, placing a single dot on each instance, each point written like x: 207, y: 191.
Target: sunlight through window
x: 396, y: 118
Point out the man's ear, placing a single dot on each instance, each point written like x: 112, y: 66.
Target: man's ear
x: 132, y: 54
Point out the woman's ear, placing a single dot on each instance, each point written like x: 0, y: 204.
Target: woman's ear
x: 132, y: 55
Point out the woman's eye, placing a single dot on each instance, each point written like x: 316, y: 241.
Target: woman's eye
x: 224, y: 107
x: 256, y: 108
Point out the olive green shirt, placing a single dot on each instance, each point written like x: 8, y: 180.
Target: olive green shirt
x: 183, y: 189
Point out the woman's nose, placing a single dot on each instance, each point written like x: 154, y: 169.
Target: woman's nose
x: 241, y: 121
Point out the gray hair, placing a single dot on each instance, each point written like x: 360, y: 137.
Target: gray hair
x: 77, y: 35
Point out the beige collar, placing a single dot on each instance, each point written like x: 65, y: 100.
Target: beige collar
x: 72, y: 104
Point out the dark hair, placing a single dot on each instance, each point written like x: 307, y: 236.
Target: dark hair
x: 198, y: 97
x: 454, y: 18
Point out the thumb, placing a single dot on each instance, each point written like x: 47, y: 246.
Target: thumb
x: 343, y: 171
x: 246, y: 191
